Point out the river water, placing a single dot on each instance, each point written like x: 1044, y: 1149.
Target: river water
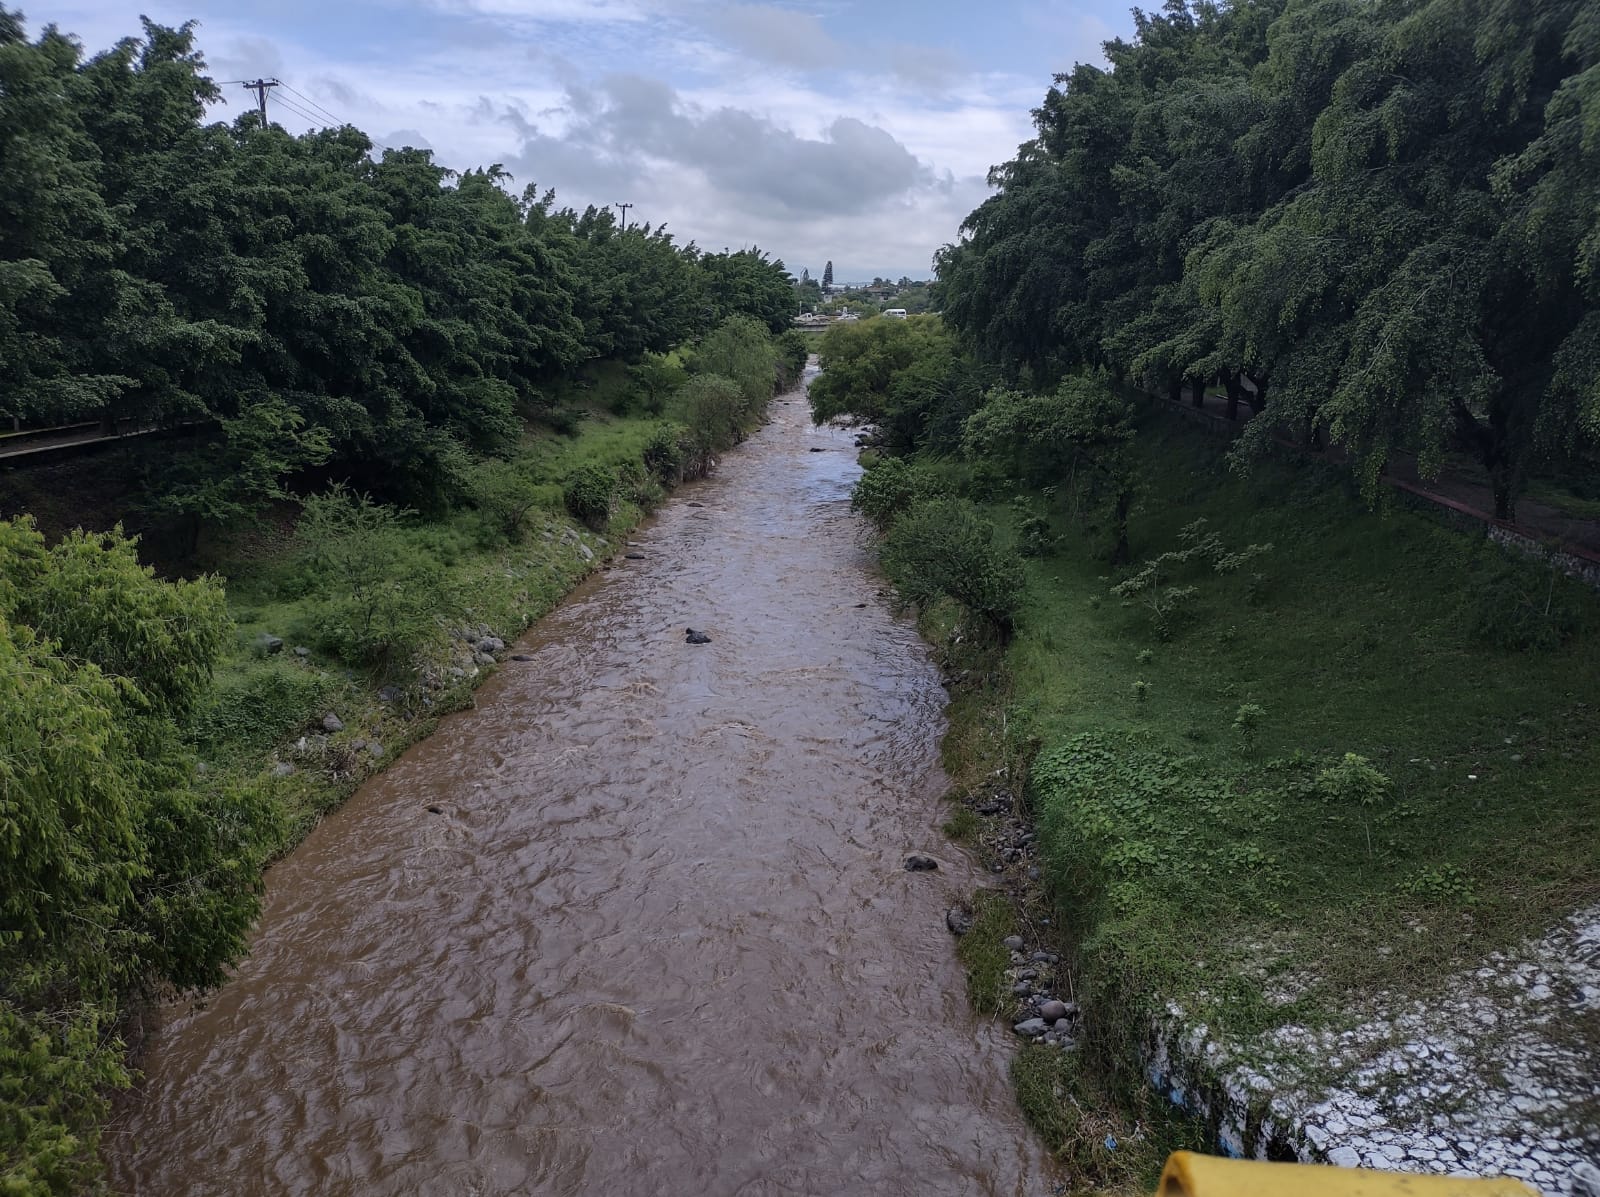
x: 660, y: 940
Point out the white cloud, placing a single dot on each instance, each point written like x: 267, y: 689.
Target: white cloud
x: 778, y: 35
x: 567, y: 11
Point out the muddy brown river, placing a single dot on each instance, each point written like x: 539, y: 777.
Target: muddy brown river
x: 661, y: 940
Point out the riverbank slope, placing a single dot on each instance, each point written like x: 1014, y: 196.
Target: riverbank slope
x: 1286, y: 811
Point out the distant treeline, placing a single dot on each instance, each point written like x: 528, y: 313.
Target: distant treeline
x: 311, y: 301
x: 1378, y: 220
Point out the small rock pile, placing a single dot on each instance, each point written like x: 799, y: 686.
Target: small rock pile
x: 1040, y: 1015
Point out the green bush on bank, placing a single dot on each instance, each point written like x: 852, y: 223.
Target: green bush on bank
x: 589, y: 494
x: 123, y: 870
x: 890, y: 487
x: 945, y: 549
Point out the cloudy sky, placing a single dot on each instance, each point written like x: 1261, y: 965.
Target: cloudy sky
x: 816, y: 129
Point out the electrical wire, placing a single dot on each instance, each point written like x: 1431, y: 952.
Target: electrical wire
x: 317, y: 122
x: 312, y: 104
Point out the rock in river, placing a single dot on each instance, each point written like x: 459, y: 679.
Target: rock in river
x: 1030, y: 1028
x: 690, y: 636
x: 958, y: 919
x: 921, y: 864
x: 521, y: 657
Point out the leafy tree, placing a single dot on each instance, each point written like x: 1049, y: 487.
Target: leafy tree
x: 117, y: 872
x: 1372, y: 223
x: 740, y: 349
x: 241, y: 469
x: 713, y: 408
x: 1081, y: 436
x: 384, y: 606
x: 506, y: 496
x: 794, y: 350
x: 945, y: 549
x: 891, y: 373
x: 748, y: 283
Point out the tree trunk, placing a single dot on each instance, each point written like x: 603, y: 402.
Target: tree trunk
x: 1197, y: 391
x: 1121, y: 553
x: 1505, y: 502
x: 1175, y: 388
x: 1233, y: 380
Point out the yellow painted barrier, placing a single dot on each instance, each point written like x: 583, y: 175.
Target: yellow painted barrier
x: 1191, y: 1175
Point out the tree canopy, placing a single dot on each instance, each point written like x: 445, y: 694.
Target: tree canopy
x: 1378, y: 222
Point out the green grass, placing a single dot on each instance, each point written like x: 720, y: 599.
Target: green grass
x: 962, y: 826
x: 1101, y: 1145
x: 984, y: 956
x: 260, y: 706
x: 1192, y: 857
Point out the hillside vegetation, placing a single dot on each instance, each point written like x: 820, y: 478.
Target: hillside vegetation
x: 1273, y: 739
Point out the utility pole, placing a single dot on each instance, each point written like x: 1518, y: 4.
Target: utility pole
x: 624, y: 208
x: 261, y: 87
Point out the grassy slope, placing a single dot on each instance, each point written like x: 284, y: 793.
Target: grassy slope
x: 263, y: 705
x: 1360, y: 641
x: 1188, y: 862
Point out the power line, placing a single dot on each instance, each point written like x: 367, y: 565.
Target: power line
x: 314, y: 121
x: 319, y: 117
x: 316, y: 107
x: 624, y: 208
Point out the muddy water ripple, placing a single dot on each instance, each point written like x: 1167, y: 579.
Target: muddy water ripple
x: 660, y: 940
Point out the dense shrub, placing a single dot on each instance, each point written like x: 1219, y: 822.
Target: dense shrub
x: 117, y: 874
x: 665, y: 455
x: 651, y: 382
x: 741, y: 350
x: 890, y: 487
x: 589, y: 494
x: 564, y: 421
x: 256, y: 708
x: 1521, y: 608
x: 711, y: 406
x: 946, y: 549
x: 505, y: 495
x: 793, y: 350
x: 384, y: 600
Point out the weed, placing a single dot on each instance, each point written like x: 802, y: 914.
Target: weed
x: 984, y: 956
x: 962, y: 825
x: 1247, y: 722
x: 588, y: 495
